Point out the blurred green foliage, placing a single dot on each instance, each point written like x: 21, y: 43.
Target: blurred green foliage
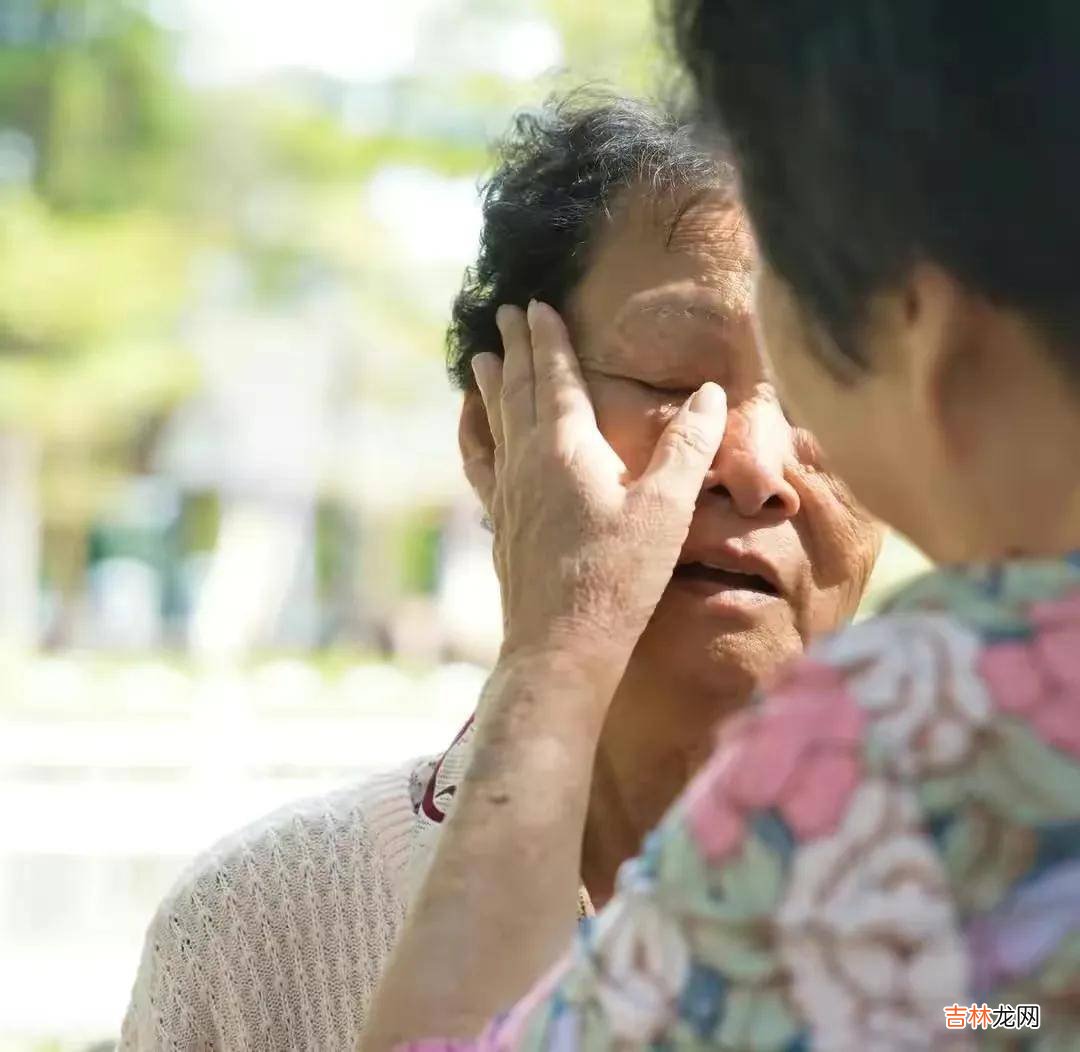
x: 613, y: 42
x: 94, y: 243
x: 118, y: 176
x: 314, y: 147
x: 91, y: 83
x: 74, y: 280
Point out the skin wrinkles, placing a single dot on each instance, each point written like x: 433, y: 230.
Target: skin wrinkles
x: 654, y: 317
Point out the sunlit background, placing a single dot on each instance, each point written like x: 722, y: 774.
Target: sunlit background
x: 238, y: 559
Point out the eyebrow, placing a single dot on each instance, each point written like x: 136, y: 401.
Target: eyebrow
x: 684, y: 208
x: 690, y: 203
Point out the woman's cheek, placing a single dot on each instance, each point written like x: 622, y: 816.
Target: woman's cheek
x: 839, y: 537
x: 808, y: 450
x: 632, y: 424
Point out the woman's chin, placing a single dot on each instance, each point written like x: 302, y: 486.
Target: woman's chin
x: 708, y: 612
x: 703, y: 650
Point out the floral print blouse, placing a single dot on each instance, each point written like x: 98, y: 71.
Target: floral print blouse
x: 883, y: 854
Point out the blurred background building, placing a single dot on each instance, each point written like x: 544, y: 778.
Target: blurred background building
x: 238, y: 559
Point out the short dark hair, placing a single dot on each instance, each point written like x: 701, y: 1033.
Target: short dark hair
x: 872, y: 134
x: 559, y: 173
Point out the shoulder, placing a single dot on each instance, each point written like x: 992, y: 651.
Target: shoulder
x: 366, y: 826
x: 891, y: 698
x: 905, y: 691
x: 930, y: 702
x: 275, y: 922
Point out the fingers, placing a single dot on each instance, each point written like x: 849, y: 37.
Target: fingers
x: 561, y: 394
x: 488, y: 371
x: 687, y: 447
x: 518, y: 383
x: 481, y: 472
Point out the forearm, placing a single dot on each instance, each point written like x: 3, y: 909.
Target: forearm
x: 503, y: 906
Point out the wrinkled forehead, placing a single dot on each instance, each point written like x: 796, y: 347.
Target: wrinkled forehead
x: 668, y: 278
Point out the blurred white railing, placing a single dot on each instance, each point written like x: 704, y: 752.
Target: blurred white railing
x: 111, y: 781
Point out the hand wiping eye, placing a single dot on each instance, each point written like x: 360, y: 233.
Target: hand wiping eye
x: 584, y: 552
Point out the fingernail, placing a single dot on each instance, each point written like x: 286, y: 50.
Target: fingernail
x: 531, y: 313
x: 501, y: 316
x: 709, y: 398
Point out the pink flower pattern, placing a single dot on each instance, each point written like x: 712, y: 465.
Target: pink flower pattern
x: 856, y: 788
x: 800, y: 753
x: 1038, y: 678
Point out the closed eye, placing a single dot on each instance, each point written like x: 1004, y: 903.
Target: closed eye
x: 672, y: 393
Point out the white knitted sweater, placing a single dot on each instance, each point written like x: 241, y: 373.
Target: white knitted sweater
x: 276, y: 938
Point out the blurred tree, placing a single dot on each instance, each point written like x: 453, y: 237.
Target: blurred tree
x: 87, y: 359
x: 612, y: 41
x: 90, y: 83
x: 93, y: 246
x: 115, y: 173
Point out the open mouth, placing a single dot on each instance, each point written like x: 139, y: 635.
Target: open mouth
x: 724, y: 579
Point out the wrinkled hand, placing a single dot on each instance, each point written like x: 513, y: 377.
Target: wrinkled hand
x: 583, y: 551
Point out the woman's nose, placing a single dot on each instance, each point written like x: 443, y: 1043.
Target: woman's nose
x: 749, y: 466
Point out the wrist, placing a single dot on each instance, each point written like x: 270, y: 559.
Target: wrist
x: 538, y: 726
x: 541, y: 706
x: 587, y: 663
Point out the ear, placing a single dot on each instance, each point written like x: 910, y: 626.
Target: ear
x: 477, y: 447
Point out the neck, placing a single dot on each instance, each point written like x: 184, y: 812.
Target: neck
x: 1034, y: 467
x: 655, y: 738
x: 1014, y: 466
